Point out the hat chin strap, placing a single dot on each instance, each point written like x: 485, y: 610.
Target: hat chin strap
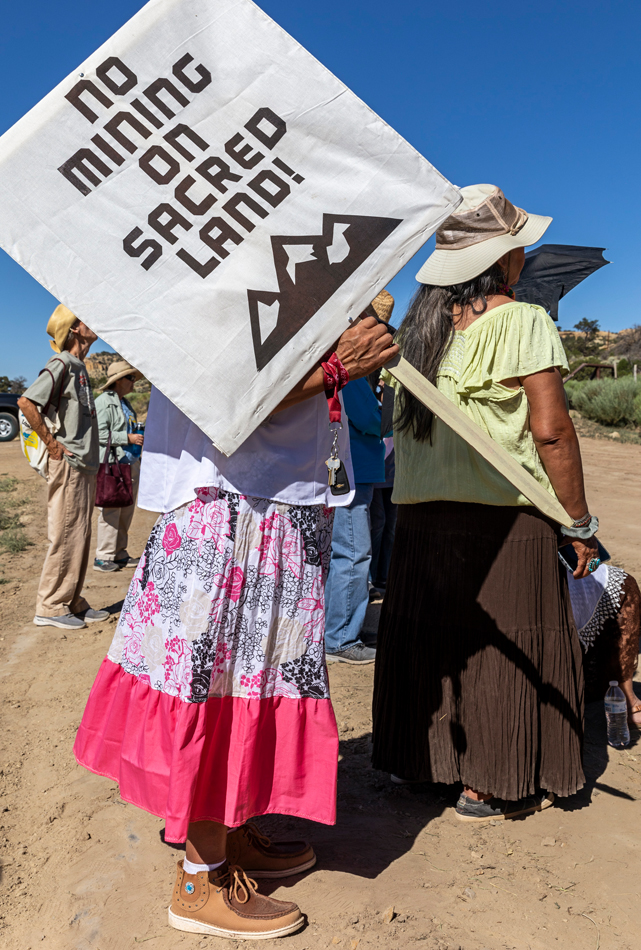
x: 520, y: 221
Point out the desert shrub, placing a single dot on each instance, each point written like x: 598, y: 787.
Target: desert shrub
x: 8, y: 483
x: 570, y: 389
x: 624, y: 367
x: 612, y: 402
x: 96, y: 382
x: 139, y: 402
x: 14, y: 540
x: 8, y: 519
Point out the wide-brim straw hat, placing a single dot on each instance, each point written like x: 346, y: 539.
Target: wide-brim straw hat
x: 484, y: 227
x: 116, y: 371
x: 60, y: 322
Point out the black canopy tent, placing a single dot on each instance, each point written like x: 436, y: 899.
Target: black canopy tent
x: 552, y: 270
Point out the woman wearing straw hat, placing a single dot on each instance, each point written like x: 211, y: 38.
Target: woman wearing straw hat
x: 117, y: 421
x: 478, y: 674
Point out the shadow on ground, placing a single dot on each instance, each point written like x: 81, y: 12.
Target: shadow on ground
x: 368, y: 800
x: 595, y: 758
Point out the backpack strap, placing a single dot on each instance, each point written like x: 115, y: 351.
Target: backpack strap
x: 53, y: 385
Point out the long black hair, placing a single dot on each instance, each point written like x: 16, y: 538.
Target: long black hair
x: 426, y: 333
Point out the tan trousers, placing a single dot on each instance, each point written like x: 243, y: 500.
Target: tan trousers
x: 70, y: 503
x: 114, y: 524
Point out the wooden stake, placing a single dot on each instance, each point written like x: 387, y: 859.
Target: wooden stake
x: 484, y: 444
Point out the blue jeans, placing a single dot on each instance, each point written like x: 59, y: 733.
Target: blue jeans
x: 346, y: 591
x: 382, y: 513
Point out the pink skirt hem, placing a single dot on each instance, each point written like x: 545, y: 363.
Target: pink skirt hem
x: 225, y: 760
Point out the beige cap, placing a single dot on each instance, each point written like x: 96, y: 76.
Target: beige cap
x: 116, y: 371
x: 60, y: 322
x: 484, y: 227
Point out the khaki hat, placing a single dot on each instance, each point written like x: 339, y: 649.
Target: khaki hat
x: 484, y: 227
x: 382, y: 305
x: 60, y: 322
x: 116, y: 371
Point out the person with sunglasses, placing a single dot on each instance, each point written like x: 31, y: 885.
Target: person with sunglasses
x: 117, y: 418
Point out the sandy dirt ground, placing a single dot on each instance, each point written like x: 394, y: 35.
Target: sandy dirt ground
x: 81, y: 870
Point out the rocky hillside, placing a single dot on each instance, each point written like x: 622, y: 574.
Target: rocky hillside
x: 622, y: 349
x: 98, y: 363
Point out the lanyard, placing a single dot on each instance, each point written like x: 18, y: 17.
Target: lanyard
x: 335, y: 377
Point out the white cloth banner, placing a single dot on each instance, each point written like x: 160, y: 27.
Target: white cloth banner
x: 215, y: 204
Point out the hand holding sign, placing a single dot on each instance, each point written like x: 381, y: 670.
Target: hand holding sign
x: 366, y: 347
x: 363, y: 348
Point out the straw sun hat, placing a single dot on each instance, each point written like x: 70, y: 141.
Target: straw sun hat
x: 116, y: 371
x: 484, y: 227
x: 382, y: 305
x: 60, y: 322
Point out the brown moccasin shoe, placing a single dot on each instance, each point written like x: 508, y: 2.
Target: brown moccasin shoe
x: 226, y: 903
x: 262, y: 858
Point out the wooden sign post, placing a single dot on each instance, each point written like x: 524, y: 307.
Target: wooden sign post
x: 484, y: 444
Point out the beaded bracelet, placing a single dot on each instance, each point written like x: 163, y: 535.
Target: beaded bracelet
x: 582, y: 522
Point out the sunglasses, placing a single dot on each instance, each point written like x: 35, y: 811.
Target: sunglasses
x: 131, y: 376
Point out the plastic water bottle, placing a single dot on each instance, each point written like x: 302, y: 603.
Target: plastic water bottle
x: 616, y: 714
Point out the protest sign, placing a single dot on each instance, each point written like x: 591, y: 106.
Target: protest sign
x: 215, y: 204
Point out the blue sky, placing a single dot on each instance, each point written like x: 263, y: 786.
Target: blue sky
x: 539, y: 98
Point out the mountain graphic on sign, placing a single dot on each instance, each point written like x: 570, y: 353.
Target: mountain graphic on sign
x: 309, y: 271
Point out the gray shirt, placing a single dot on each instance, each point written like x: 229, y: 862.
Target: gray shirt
x: 64, y: 385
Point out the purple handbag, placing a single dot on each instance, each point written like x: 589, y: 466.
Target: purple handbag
x: 113, y: 484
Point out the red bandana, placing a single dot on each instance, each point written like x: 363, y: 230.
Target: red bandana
x: 336, y: 376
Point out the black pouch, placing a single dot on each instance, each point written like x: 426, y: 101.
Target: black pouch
x: 568, y: 556
x: 341, y: 482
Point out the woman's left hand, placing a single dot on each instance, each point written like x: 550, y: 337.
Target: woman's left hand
x: 585, y: 551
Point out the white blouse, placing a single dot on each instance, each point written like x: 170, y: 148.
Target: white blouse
x: 283, y: 459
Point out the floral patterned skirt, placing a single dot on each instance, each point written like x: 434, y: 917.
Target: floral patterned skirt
x: 213, y: 700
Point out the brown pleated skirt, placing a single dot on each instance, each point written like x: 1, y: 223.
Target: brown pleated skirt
x: 479, y: 667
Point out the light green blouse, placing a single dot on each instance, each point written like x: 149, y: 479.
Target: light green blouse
x: 514, y: 340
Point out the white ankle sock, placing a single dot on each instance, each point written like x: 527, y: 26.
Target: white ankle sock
x: 190, y: 868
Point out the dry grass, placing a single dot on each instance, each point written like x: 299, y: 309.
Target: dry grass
x: 12, y: 536
x: 14, y: 540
